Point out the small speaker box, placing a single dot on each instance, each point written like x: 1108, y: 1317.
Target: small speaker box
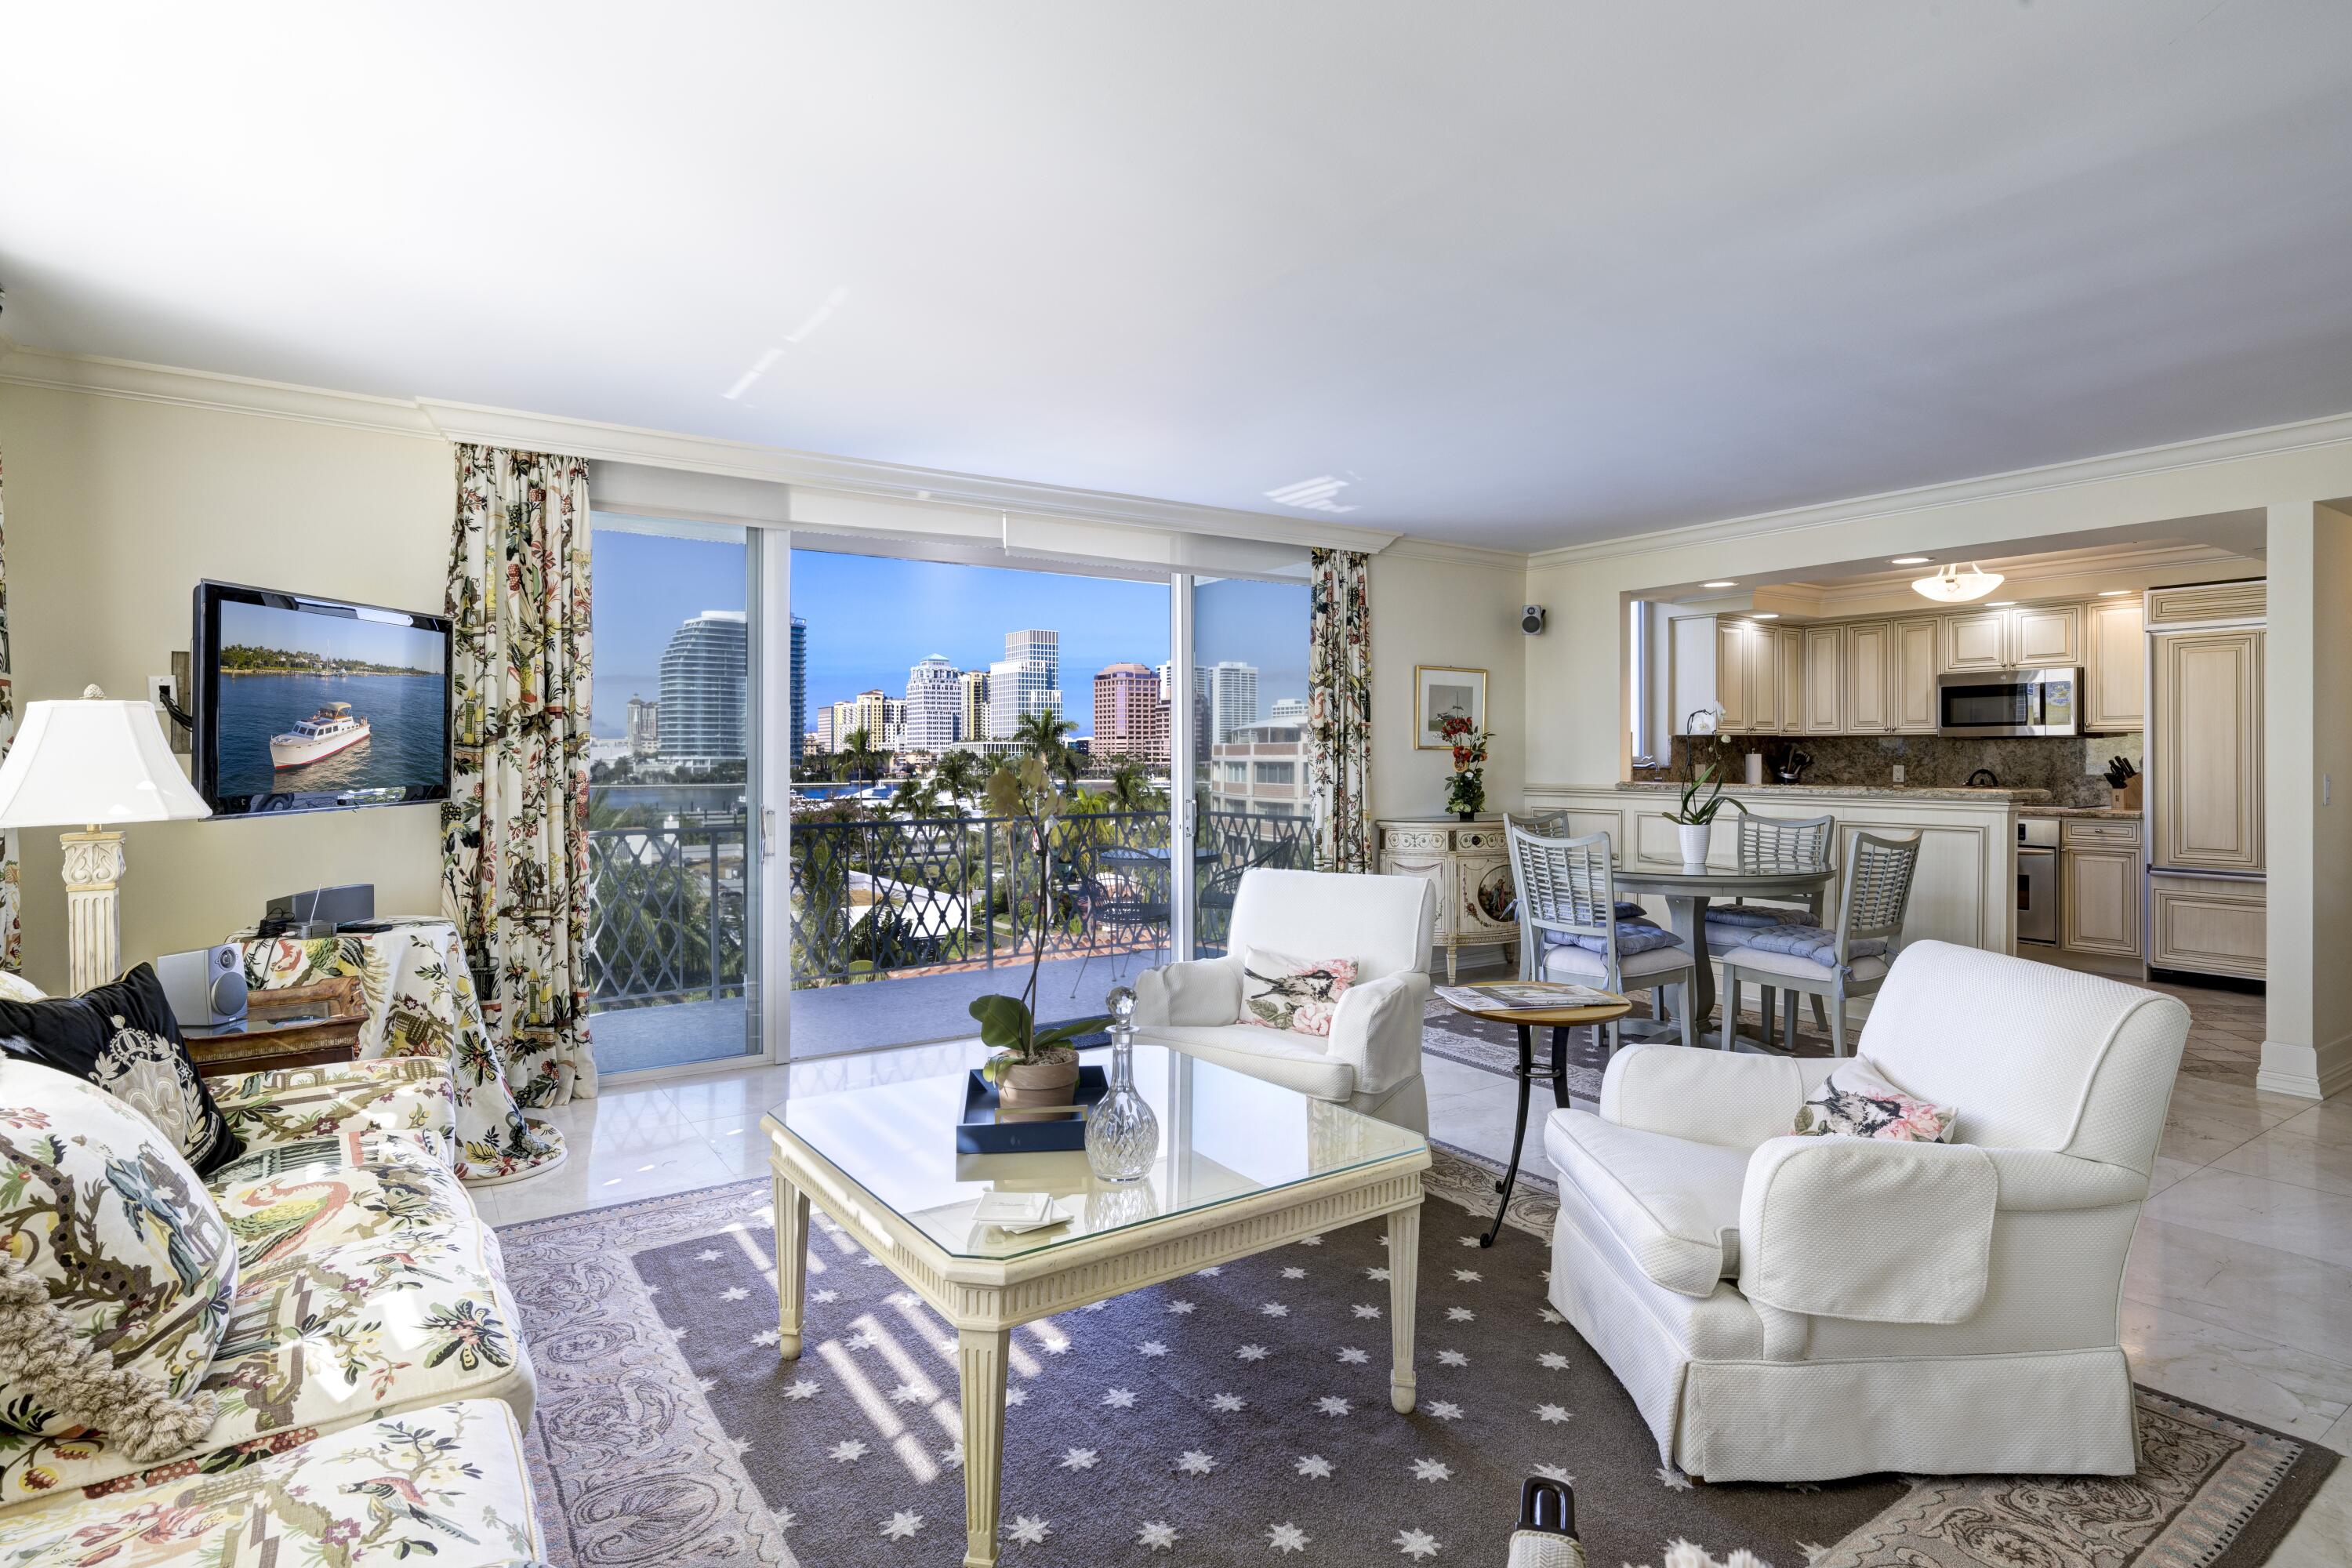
x: 206, y: 987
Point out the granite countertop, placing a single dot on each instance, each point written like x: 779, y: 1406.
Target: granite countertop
x: 2131, y: 812
x: 2022, y: 797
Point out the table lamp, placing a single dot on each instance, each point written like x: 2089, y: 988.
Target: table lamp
x: 89, y: 763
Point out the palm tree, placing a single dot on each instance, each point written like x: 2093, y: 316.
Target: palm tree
x: 1040, y: 734
x: 915, y: 799
x: 1131, y: 786
x: 857, y: 757
x: 959, y: 777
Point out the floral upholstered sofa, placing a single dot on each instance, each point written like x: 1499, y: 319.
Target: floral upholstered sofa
x: 370, y: 1378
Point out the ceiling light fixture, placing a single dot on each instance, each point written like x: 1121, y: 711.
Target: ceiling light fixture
x: 1911, y: 560
x: 1954, y: 586
x: 1998, y: 604
x: 1765, y: 615
x: 1719, y: 585
x: 2112, y: 593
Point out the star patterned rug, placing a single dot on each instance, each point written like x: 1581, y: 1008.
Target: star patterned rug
x: 1239, y: 1414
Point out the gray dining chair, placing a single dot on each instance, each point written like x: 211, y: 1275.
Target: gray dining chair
x: 1871, y: 906
x: 1568, y: 886
x: 1769, y: 841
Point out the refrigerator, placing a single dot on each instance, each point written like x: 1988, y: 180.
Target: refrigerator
x: 2205, y: 908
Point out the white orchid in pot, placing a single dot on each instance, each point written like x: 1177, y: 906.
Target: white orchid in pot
x: 1031, y: 1067
x: 1702, y: 793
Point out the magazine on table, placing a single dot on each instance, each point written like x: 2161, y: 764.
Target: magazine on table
x: 1523, y: 995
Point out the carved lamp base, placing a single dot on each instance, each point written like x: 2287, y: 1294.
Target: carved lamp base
x: 93, y: 919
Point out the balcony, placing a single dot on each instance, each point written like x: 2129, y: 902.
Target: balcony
x: 938, y: 910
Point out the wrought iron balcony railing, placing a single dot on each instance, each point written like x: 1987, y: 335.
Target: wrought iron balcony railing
x: 875, y: 899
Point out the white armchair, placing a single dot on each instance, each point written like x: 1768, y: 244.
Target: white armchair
x: 1371, y: 1060
x: 1797, y: 1309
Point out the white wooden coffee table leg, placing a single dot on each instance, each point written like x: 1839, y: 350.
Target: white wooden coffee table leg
x: 980, y: 1369
x: 791, y: 1263
x: 1405, y: 1292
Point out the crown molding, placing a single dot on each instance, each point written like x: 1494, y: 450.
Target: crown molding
x: 204, y: 389
x: 2334, y: 429
x: 1414, y: 548
x: 439, y: 419
x: 1844, y: 596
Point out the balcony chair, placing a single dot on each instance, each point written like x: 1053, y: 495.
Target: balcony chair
x: 1567, y: 889
x: 1798, y: 1308
x: 1371, y: 1060
x: 1848, y: 963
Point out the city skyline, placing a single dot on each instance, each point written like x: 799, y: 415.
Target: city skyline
x: 646, y: 586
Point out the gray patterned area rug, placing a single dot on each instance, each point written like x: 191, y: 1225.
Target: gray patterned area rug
x: 1238, y: 1416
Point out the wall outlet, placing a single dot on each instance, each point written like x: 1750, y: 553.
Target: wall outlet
x: 1898, y: 773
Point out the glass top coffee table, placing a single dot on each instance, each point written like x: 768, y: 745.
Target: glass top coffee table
x: 1243, y: 1166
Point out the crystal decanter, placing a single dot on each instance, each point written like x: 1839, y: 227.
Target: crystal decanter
x: 1122, y: 1134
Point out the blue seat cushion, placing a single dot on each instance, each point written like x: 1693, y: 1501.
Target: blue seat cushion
x: 1633, y: 937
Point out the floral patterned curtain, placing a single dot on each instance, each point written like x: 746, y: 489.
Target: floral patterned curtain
x: 514, y: 836
x: 1340, y: 711
x: 11, y: 930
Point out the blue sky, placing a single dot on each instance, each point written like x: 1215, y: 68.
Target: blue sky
x: 870, y: 618
x: 301, y: 631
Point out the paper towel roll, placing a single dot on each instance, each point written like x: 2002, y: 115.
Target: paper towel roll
x: 1756, y: 767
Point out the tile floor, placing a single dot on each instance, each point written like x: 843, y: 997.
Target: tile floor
x: 2237, y: 1293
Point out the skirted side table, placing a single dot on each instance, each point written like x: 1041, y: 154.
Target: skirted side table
x: 419, y: 1001
x: 1471, y: 864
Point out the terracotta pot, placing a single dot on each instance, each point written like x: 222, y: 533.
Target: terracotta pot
x: 1038, y: 1083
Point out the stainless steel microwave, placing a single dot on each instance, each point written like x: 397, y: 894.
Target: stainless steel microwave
x: 2009, y: 702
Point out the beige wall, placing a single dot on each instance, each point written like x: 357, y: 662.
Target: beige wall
x: 1427, y: 611
x: 115, y: 508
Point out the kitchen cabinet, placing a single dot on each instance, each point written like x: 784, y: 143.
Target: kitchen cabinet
x: 1765, y: 714
x: 2208, y: 925
x: 1976, y: 640
x: 1869, y: 669
x: 1824, y: 662
x: 1731, y: 675
x: 2206, y: 797
x: 1791, y: 644
x: 2098, y: 878
x: 2114, y: 671
x: 1915, y: 676
x: 2045, y: 636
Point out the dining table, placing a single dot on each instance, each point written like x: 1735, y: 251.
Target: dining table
x: 1688, y: 891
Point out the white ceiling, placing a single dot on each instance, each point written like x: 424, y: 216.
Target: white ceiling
x: 1521, y: 274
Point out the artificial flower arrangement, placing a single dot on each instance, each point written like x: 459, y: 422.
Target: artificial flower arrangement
x: 1465, y: 792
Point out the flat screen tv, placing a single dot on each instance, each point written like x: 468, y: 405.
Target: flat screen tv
x: 312, y: 704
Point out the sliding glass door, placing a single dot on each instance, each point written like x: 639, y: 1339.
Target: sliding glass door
x: 1247, y: 717
x: 673, y: 842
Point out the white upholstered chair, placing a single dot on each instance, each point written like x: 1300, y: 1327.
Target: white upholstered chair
x: 1371, y: 1060
x: 1796, y: 1308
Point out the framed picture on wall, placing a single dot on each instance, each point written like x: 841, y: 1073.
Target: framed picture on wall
x: 1441, y: 691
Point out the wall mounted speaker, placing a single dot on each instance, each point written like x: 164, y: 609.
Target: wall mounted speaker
x: 1531, y: 618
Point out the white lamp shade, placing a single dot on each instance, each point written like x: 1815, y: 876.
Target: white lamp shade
x: 1954, y: 586
x: 93, y: 763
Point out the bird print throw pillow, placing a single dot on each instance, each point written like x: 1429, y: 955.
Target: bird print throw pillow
x: 116, y: 1270
x: 1295, y: 993
x: 1858, y: 1102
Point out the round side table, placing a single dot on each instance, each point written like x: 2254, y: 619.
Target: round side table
x: 1527, y: 1020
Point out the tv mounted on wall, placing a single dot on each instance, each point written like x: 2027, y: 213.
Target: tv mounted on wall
x: 311, y: 704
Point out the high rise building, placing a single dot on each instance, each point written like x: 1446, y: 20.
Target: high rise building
x: 644, y: 727
x: 800, y: 686
x: 972, y: 692
x: 1261, y: 770
x: 1289, y: 711
x: 934, y: 705
x: 1200, y: 709
x: 869, y: 711
x: 704, y: 680
x: 1027, y: 679
x: 825, y: 738
x: 1232, y: 698
x: 894, y: 723
x: 1130, y: 716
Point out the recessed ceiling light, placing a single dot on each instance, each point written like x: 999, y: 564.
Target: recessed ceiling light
x: 2112, y: 593
x: 1719, y: 585
x: 1998, y: 604
x: 1317, y: 494
x: 1911, y: 560
x: 1765, y: 615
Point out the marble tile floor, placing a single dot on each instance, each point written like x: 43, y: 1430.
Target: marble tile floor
x: 2237, y: 1293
